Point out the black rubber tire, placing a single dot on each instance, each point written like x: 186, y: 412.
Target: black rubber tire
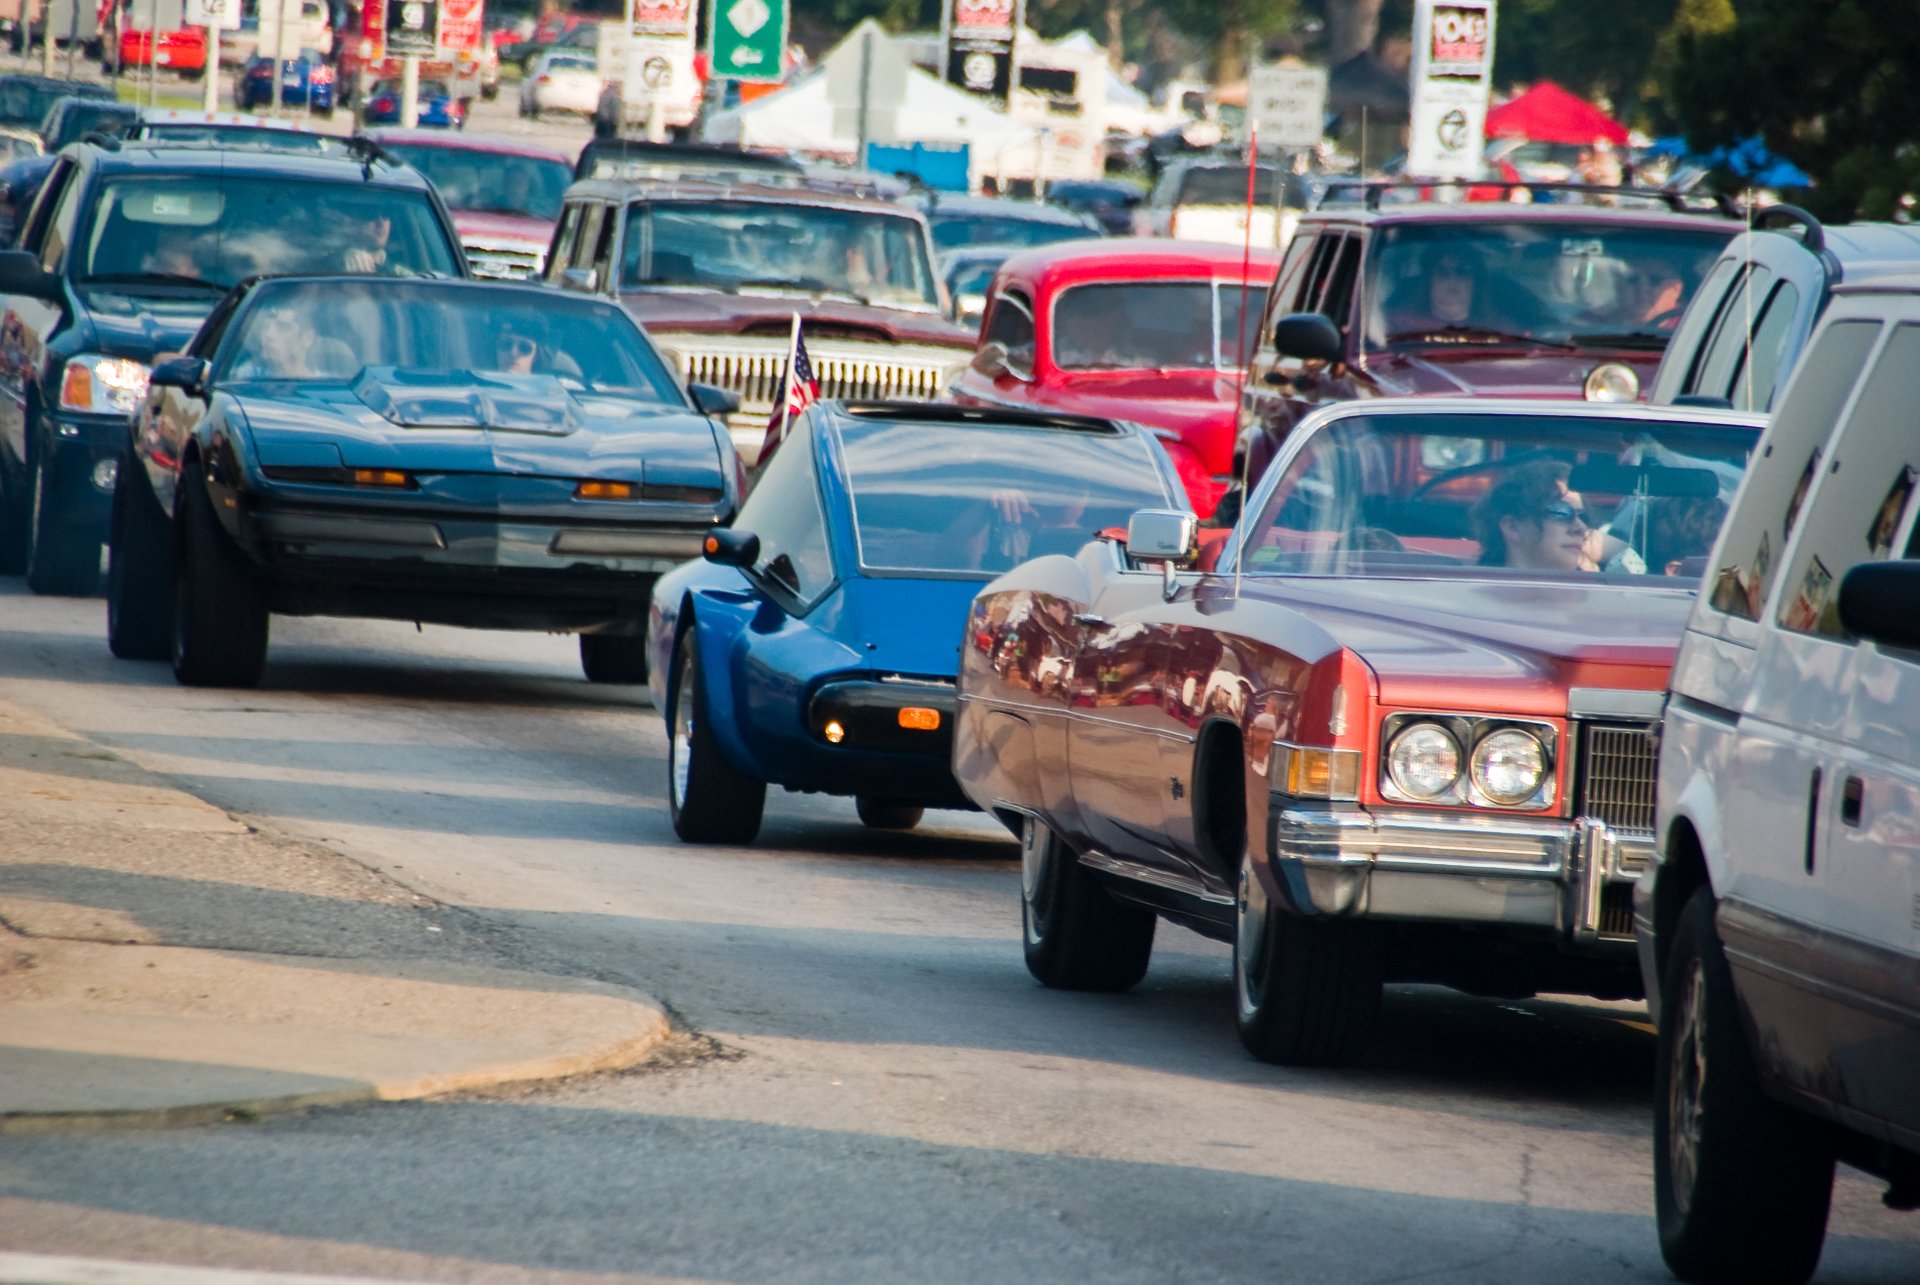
x: 1749, y: 1203
x: 887, y: 814
x: 614, y: 658
x: 219, y: 612
x: 1077, y: 936
x: 710, y: 801
x: 16, y: 509
x: 139, y: 569
x: 59, y: 560
x: 1306, y: 991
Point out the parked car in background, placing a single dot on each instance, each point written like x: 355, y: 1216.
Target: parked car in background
x: 1776, y: 920
x: 815, y: 647
x: 1109, y: 202
x: 1397, y: 732
x: 959, y: 221
x: 1144, y: 329
x: 717, y: 273
x: 1204, y: 198
x: 1428, y: 298
x: 439, y: 109
x: 305, y: 80
x: 281, y: 467
x: 183, y: 49
x: 968, y: 272
x: 183, y: 127
x: 554, y: 30
x: 636, y: 160
x: 76, y: 116
x: 124, y: 253
x: 24, y: 99
x: 560, y: 81
x: 17, y: 143
x: 505, y: 193
x: 1749, y: 321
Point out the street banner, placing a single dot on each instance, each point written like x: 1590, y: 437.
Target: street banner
x: 1452, y: 80
x: 413, y: 28
x: 978, y: 37
x: 661, y: 18
x: 224, y: 14
x: 748, y: 39
x: 1288, y: 104
x: 460, y: 26
x: 373, y: 31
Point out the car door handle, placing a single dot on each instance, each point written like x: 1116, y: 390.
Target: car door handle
x: 1850, y: 794
x: 1088, y: 620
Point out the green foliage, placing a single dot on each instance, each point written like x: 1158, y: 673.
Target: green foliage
x: 1594, y: 50
x: 1832, y: 87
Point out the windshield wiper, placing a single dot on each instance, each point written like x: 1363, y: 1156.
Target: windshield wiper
x: 152, y: 278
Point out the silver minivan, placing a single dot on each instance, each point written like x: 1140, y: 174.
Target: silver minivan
x: 1779, y: 922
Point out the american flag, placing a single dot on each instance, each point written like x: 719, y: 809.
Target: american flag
x: 802, y: 390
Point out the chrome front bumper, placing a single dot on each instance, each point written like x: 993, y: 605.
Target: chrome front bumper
x: 1526, y: 872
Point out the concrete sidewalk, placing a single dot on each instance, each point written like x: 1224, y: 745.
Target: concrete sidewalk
x: 162, y: 962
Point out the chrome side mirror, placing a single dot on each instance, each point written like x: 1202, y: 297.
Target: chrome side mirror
x: 1170, y: 537
x: 584, y: 279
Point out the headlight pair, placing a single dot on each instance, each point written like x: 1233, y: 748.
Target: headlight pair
x: 1484, y: 761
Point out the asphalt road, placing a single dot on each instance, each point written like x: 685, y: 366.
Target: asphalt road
x: 873, y: 1089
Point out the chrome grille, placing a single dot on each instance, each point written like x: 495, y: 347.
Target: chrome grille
x: 504, y: 264
x: 1617, y: 773
x: 756, y: 374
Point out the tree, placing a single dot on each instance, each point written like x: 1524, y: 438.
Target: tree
x: 1830, y: 87
x: 1230, y: 27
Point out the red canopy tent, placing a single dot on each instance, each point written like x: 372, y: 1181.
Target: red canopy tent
x: 1549, y: 114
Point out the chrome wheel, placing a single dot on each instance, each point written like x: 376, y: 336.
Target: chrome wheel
x: 681, y: 745
x: 1686, y: 1075
x: 1252, y: 937
x: 1037, y: 880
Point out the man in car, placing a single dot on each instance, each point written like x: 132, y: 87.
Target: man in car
x: 364, y: 236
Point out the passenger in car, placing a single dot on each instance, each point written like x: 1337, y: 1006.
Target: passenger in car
x: 1530, y: 519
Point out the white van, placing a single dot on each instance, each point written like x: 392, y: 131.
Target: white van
x: 1779, y: 923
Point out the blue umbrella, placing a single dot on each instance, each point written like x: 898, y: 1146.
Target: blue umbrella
x: 1749, y: 158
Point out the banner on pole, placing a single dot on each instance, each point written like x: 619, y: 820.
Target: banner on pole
x: 413, y: 27
x: 978, y: 38
x: 1452, y: 80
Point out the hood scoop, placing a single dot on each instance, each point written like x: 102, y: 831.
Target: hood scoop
x: 469, y: 399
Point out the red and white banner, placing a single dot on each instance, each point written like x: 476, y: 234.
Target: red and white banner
x: 460, y: 25
x: 983, y: 20
x: 661, y: 18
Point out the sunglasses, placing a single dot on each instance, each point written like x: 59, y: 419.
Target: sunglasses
x: 1564, y: 512
x: 518, y: 345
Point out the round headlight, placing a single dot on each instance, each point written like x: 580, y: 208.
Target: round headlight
x: 1508, y: 766
x: 1423, y: 761
x: 1612, y: 382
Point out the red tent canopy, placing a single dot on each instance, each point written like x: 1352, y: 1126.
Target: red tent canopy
x: 1549, y: 114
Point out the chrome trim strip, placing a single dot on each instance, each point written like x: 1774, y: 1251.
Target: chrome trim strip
x: 629, y: 544
x: 315, y: 528
x: 1607, y: 702
x: 1153, y: 875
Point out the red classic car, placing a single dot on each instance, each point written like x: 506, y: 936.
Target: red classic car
x: 504, y: 193
x: 1152, y: 331
x: 183, y: 49
x: 1400, y: 733
x: 1419, y: 298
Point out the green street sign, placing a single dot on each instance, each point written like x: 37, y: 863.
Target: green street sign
x: 749, y: 39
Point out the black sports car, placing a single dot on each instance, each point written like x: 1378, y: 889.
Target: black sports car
x: 463, y: 453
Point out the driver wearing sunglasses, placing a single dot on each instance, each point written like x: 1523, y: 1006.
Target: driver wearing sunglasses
x: 1531, y: 520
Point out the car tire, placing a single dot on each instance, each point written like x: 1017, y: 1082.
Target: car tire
x: 219, y: 612
x: 139, y: 570
x: 1306, y: 991
x: 1077, y: 936
x: 1741, y: 1183
x: 709, y: 800
x: 614, y: 658
x: 57, y: 562
x: 887, y: 814
x: 16, y: 515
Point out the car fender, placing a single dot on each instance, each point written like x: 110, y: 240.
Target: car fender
x: 720, y: 637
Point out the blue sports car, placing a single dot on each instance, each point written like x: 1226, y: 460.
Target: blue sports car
x: 495, y: 456
x: 303, y: 81
x: 816, y: 645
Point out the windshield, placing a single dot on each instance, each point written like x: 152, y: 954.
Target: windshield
x: 1462, y: 494
x: 770, y: 248
x: 216, y: 229
x: 328, y: 331
x: 976, y: 500
x: 954, y: 230
x: 492, y: 182
x: 1579, y: 285
x: 1156, y: 325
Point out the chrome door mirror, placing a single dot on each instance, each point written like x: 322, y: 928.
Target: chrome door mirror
x: 584, y: 279
x: 1170, y: 537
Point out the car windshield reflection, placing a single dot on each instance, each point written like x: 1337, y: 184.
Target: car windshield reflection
x: 331, y: 331
x: 1156, y: 325
x: 948, y: 499
x: 1459, y: 494
x: 490, y: 182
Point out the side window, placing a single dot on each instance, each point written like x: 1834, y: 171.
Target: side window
x: 560, y: 256
x: 1319, y: 268
x: 1286, y: 288
x: 783, y: 509
x: 592, y: 220
x: 1011, y: 325
x: 1777, y: 483
x: 603, y: 249
x: 61, y: 227
x: 1337, y: 302
x: 39, y: 218
x: 1859, y: 499
x: 1727, y: 350
x: 1754, y: 389
x: 1677, y: 372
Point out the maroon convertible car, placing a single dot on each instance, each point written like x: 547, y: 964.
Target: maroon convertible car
x: 1398, y: 733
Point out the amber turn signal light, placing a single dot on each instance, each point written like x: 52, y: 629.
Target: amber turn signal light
x: 918, y: 719
x: 380, y: 477
x: 834, y: 732
x: 604, y: 491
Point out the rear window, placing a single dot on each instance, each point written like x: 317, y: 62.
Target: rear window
x: 1227, y: 185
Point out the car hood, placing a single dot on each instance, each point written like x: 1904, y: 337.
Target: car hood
x: 530, y: 425
x: 1197, y: 405
x: 487, y: 225
x: 1508, y: 646
x: 1472, y: 372
x: 142, y: 326
x: 712, y: 312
